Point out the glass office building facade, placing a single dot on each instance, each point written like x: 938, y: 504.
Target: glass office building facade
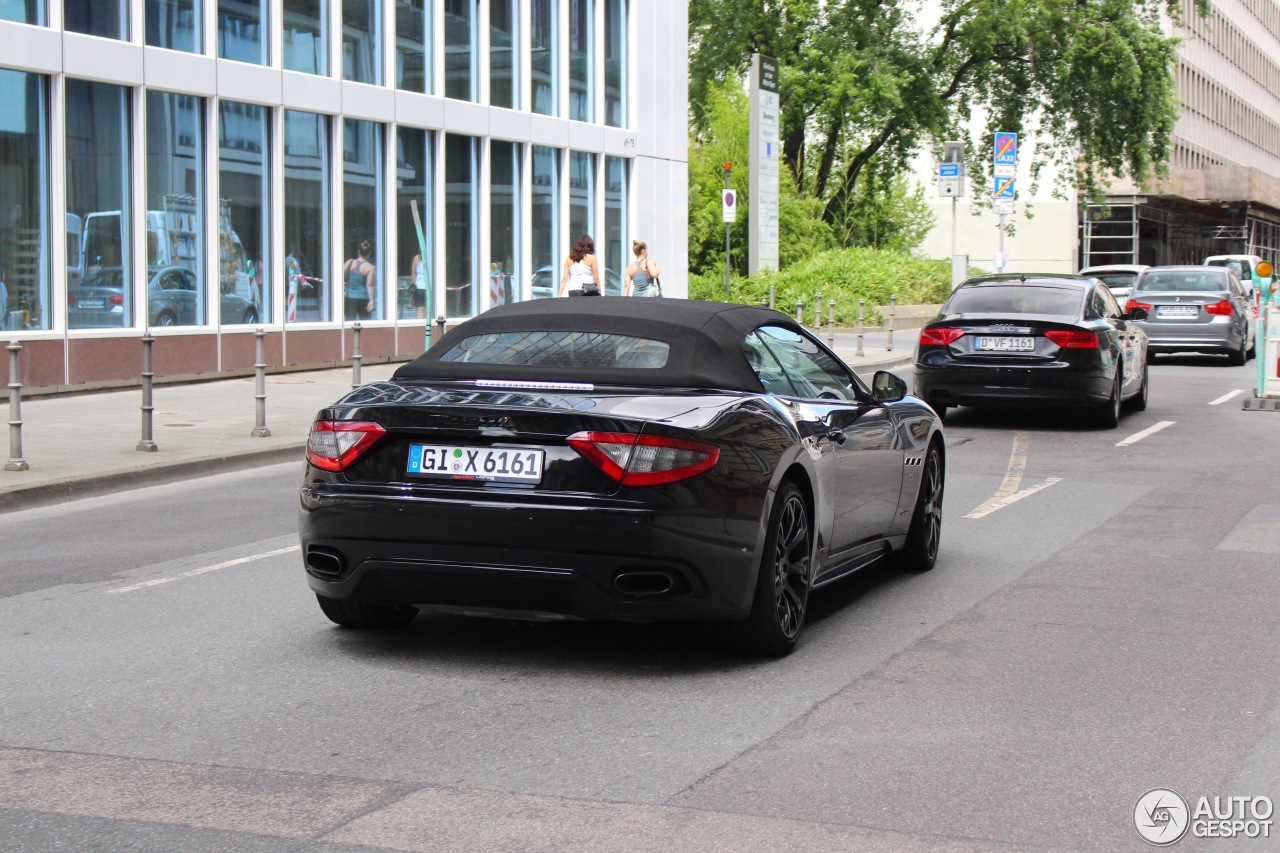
x: 212, y: 167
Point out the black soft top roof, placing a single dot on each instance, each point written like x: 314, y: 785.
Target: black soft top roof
x: 705, y: 340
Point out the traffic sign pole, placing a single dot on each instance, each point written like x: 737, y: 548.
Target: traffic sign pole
x: 728, y: 170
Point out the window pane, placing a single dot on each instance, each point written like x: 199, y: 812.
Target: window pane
x: 242, y: 31
x: 24, y: 165
x: 364, y: 296
x: 361, y: 41
x: 414, y: 185
x: 581, y: 61
x: 504, y: 218
x: 615, y: 63
x: 306, y: 34
x: 583, y: 350
x: 306, y: 216
x: 461, y: 208
x: 174, y: 24
x: 244, y: 254
x: 616, y: 249
x: 106, y: 18
x: 175, y: 210
x: 546, y: 217
x: 542, y: 31
x: 98, y: 205
x: 503, y: 15
x: 582, y: 193
x: 23, y: 11
x: 413, y: 45
x: 460, y: 49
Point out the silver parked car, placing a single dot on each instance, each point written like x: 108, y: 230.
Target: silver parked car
x: 1119, y: 278
x: 172, y: 300
x: 1194, y: 309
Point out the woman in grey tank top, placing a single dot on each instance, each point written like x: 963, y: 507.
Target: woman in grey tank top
x: 641, y: 272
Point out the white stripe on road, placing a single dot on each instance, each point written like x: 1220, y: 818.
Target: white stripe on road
x: 1138, y: 436
x: 228, y: 564
x: 1225, y: 397
x: 991, y: 506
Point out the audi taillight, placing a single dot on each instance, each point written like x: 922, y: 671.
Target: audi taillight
x: 334, y: 445
x: 644, y: 460
x: 1072, y: 339
x: 939, y: 336
x: 1220, y: 309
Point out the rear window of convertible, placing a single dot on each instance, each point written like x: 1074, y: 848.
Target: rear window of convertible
x: 587, y: 350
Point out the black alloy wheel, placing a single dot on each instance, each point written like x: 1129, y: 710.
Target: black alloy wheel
x: 1138, y: 402
x: 1107, y: 415
x: 782, y: 586
x: 358, y: 614
x: 920, y: 552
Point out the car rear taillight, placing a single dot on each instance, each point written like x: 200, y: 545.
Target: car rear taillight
x: 939, y: 336
x: 644, y: 460
x: 117, y: 299
x: 1073, y: 340
x: 334, y: 445
x: 1220, y: 309
x: 1133, y: 303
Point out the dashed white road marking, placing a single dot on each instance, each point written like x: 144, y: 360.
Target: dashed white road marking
x: 184, y: 575
x: 1149, y: 431
x: 1225, y: 397
x: 1002, y: 502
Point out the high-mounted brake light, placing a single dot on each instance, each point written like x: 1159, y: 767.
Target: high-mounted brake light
x: 1073, y: 340
x: 939, y: 336
x: 645, y: 460
x: 334, y: 445
x: 1220, y: 309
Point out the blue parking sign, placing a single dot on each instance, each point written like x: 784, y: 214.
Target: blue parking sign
x: 1003, y: 188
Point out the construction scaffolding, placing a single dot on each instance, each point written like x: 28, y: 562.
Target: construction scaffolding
x: 1159, y: 231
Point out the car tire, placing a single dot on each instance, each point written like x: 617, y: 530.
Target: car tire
x: 941, y: 411
x: 167, y: 318
x: 359, y: 614
x: 1107, y: 415
x: 920, y: 551
x: 783, y: 582
x: 1237, y: 357
x: 1252, y: 351
x: 250, y: 317
x: 1138, y: 402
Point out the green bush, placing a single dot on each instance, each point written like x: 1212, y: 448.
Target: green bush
x: 845, y: 275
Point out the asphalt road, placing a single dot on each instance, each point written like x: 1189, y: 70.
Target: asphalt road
x: 1103, y: 620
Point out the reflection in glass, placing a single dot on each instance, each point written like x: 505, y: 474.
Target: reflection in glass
x: 98, y: 206
x: 362, y: 41
x: 615, y: 63
x: 24, y: 202
x: 306, y: 35
x: 544, y: 39
x: 460, y: 49
x: 413, y: 45
x: 23, y: 11
x: 582, y: 194
x: 242, y: 31
x: 461, y: 208
x: 616, y: 247
x: 414, y: 159
x: 175, y: 210
x: 174, y: 24
x: 245, y: 271
x: 504, y: 219
x: 503, y: 59
x: 306, y: 217
x: 581, y: 62
x: 362, y: 275
x: 106, y: 18
x: 545, y: 213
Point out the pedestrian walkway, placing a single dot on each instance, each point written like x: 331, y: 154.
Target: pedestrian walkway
x: 79, y: 445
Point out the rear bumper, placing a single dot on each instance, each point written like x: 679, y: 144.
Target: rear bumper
x: 1213, y: 337
x: 1048, y: 384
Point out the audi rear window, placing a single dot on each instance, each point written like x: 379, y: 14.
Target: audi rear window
x: 583, y: 350
x: 1016, y: 299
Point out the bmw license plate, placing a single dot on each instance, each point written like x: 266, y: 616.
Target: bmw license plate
x: 1014, y: 344
x: 488, y: 464
x: 91, y: 303
x: 1177, y: 311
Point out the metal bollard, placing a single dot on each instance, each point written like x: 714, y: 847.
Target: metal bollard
x: 356, y: 357
x: 764, y: 303
x: 260, y: 386
x: 800, y: 313
x: 147, y: 444
x: 831, y: 323
x: 773, y: 296
x: 440, y: 333
x: 16, y: 462
x: 817, y: 313
x: 862, y: 304
x: 889, y: 342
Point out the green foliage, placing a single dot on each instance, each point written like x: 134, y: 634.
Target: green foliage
x: 885, y: 211
x: 845, y: 275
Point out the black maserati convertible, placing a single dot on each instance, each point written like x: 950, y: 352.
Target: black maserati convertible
x: 636, y: 459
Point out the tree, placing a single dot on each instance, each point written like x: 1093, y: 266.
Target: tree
x: 886, y: 210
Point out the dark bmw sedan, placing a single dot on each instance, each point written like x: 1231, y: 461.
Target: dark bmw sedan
x: 1018, y: 340
x: 634, y: 459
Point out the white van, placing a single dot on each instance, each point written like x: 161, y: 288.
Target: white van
x: 1245, y: 268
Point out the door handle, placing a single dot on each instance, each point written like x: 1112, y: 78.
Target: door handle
x: 836, y: 435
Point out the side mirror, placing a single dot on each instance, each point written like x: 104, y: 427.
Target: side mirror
x: 887, y: 388
x: 1136, y: 314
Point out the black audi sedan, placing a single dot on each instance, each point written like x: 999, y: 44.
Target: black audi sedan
x: 1033, y: 340
x: 629, y: 459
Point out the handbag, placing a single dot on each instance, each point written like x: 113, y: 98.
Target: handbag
x: 590, y: 288
x: 654, y: 288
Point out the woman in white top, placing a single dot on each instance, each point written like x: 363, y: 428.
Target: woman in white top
x: 581, y: 273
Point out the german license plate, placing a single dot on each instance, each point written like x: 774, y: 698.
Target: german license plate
x: 1177, y: 311
x: 1020, y: 343
x: 489, y: 464
x: 91, y: 303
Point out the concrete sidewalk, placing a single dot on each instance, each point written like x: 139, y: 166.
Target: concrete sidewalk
x: 85, y: 444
